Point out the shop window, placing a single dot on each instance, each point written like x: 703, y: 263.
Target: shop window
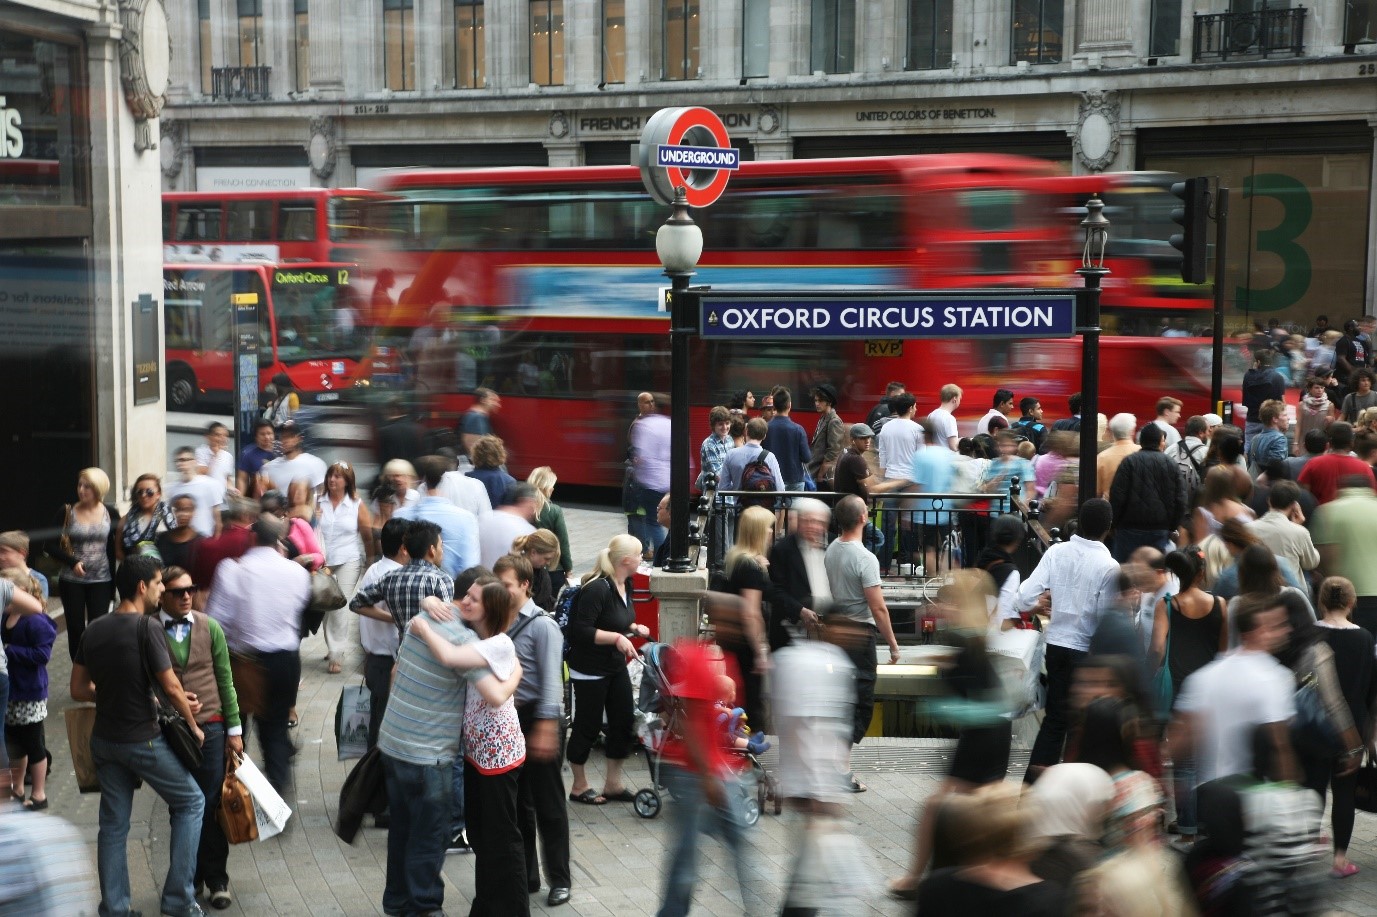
x: 1164, y: 39
x: 1036, y: 31
x: 1358, y: 22
x: 929, y: 34
x: 250, y: 32
x: 204, y: 45
x: 302, y: 26
x: 681, y: 39
x: 399, y: 44
x: 834, y: 36
x: 613, y: 41
x: 547, y: 42
x: 755, y: 38
x: 470, y: 62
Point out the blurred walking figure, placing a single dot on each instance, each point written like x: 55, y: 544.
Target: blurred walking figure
x: 648, y: 473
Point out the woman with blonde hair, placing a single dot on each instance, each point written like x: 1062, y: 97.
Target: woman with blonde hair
x: 550, y: 516
x: 541, y: 548
x: 599, y: 632
x: 746, y: 575
x: 86, y: 549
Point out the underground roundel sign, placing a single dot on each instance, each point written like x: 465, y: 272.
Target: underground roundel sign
x: 686, y: 147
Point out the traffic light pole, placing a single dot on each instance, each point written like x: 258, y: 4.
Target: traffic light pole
x: 1221, y: 238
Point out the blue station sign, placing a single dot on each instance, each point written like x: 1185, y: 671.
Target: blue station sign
x: 839, y: 316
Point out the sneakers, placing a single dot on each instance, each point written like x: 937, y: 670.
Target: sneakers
x: 193, y: 911
x: 459, y: 843
x: 219, y: 896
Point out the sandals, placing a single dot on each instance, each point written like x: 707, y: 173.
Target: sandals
x: 38, y: 805
x: 622, y: 795
x: 334, y: 668
x: 1349, y: 869
x: 588, y: 797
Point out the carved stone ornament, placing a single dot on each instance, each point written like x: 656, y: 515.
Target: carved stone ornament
x: 320, y: 149
x: 1097, y: 129
x: 769, y: 119
x: 559, y: 125
x: 172, y: 145
x: 145, y: 65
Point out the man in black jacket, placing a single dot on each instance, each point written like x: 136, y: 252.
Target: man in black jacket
x: 1148, y: 497
x: 801, y: 592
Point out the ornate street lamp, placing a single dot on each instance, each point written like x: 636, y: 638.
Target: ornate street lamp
x: 1092, y: 270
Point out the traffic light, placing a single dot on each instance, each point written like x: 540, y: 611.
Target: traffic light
x: 1192, y: 215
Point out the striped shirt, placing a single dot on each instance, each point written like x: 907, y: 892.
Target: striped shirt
x: 425, y: 711
x: 46, y: 870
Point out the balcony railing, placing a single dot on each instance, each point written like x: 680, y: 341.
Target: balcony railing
x: 240, y: 83
x: 1254, y: 34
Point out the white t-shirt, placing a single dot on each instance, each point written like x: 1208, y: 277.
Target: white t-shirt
x: 464, y: 492
x: 983, y: 424
x: 283, y: 471
x: 208, y: 492
x: 941, y: 425
x: 1229, y: 699
x: 378, y: 637
x: 221, y: 464
x: 496, y: 533
x: 897, y: 441
x: 813, y: 693
x: 1173, y: 436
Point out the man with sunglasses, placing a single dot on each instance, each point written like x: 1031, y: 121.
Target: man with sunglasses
x: 200, y: 659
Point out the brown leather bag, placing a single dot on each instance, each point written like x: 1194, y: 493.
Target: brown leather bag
x: 237, y: 816
x: 248, y: 685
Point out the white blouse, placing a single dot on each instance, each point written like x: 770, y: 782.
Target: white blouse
x: 338, y: 528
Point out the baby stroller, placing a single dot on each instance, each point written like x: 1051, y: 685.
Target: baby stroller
x: 656, y: 719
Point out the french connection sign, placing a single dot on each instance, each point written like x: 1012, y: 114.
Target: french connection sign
x: 947, y: 314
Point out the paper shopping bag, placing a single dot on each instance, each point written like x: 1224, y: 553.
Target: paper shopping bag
x: 351, y: 721
x: 270, y: 809
x: 80, y: 722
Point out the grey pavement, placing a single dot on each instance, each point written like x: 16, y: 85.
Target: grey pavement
x: 618, y: 858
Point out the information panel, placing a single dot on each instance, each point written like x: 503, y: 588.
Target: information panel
x: 931, y: 314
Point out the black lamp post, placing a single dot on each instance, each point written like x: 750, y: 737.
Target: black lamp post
x: 1092, y: 269
x: 679, y: 244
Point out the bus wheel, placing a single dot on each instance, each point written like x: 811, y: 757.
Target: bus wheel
x: 181, y: 389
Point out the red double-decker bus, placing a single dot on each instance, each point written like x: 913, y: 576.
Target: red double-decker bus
x: 543, y: 284
x: 302, y: 224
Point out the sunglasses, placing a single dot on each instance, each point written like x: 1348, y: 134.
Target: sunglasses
x: 148, y: 492
x: 182, y: 592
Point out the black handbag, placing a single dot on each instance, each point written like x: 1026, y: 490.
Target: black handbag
x: 175, y: 729
x: 1365, y: 792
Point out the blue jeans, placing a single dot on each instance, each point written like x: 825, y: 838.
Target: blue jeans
x: 213, y: 853
x: 419, y: 802
x: 119, y: 765
x: 641, y: 523
x: 1183, y: 772
x: 691, y: 814
x: 456, y: 821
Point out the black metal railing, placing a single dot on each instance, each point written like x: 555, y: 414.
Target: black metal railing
x: 249, y: 84
x: 1253, y: 34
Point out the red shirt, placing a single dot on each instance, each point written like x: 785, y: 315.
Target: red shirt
x: 694, y: 671
x: 1321, y: 475
x: 232, y: 542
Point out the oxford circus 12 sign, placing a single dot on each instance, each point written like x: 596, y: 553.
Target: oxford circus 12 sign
x: 688, y: 148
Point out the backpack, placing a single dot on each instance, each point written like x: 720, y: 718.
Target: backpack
x: 1189, y: 468
x: 758, y: 478
x: 564, y: 607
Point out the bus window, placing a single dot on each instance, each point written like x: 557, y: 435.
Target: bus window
x: 296, y: 221
x: 167, y: 219
x: 248, y: 221
x: 198, y: 222
x: 732, y: 366
x: 316, y: 320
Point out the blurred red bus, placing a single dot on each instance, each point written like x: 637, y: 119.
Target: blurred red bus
x: 544, y: 284
x: 301, y: 224
x: 307, y: 328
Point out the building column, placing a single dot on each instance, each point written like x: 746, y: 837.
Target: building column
x: 126, y: 263
x: 719, y: 40
x: 327, y: 46
x: 680, y: 596
x: 1370, y: 299
x: 1104, y: 28
x: 430, y: 43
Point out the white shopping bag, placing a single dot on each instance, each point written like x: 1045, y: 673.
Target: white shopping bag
x: 272, y: 811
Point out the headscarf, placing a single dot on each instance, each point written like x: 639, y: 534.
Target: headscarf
x: 1073, y: 799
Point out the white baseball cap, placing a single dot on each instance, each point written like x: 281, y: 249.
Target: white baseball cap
x: 1213, y: 420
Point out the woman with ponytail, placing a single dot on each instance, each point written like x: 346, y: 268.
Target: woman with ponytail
x: 541, y: 548
x: 1188, y: 630
x: 600, y: 629
x: 1353, y: 663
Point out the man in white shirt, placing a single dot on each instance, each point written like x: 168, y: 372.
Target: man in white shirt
x: 1221, y: 707
x: 208, y: 492
x: 507, y: 523
x: 997, y: 417
x: 899, y: 438
x: 380, y: 639
x: 1082, y: 578
x: 941, y: 426
x: 294, y: 464
x: 1168, y: 413
x: 1283, y: 530
x: 213, y: 459
x: 463, y: 491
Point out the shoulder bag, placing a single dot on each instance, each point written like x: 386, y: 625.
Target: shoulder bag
x: 236, y: 813
x: 175, y: 729
x: 1163, y: 691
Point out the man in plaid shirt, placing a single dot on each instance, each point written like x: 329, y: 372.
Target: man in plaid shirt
x: 404, y: 588
x: 715, y: 447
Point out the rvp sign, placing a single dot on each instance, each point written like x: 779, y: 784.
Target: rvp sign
x: 688, y: 148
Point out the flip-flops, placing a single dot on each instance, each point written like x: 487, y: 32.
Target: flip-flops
x: 623, y: 795
x: 1349, y: 869
x: 588, y: 797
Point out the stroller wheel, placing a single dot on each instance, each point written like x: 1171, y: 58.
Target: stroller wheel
x: 646, y: 803
x: 762, y: 792
x: 751, y: 813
